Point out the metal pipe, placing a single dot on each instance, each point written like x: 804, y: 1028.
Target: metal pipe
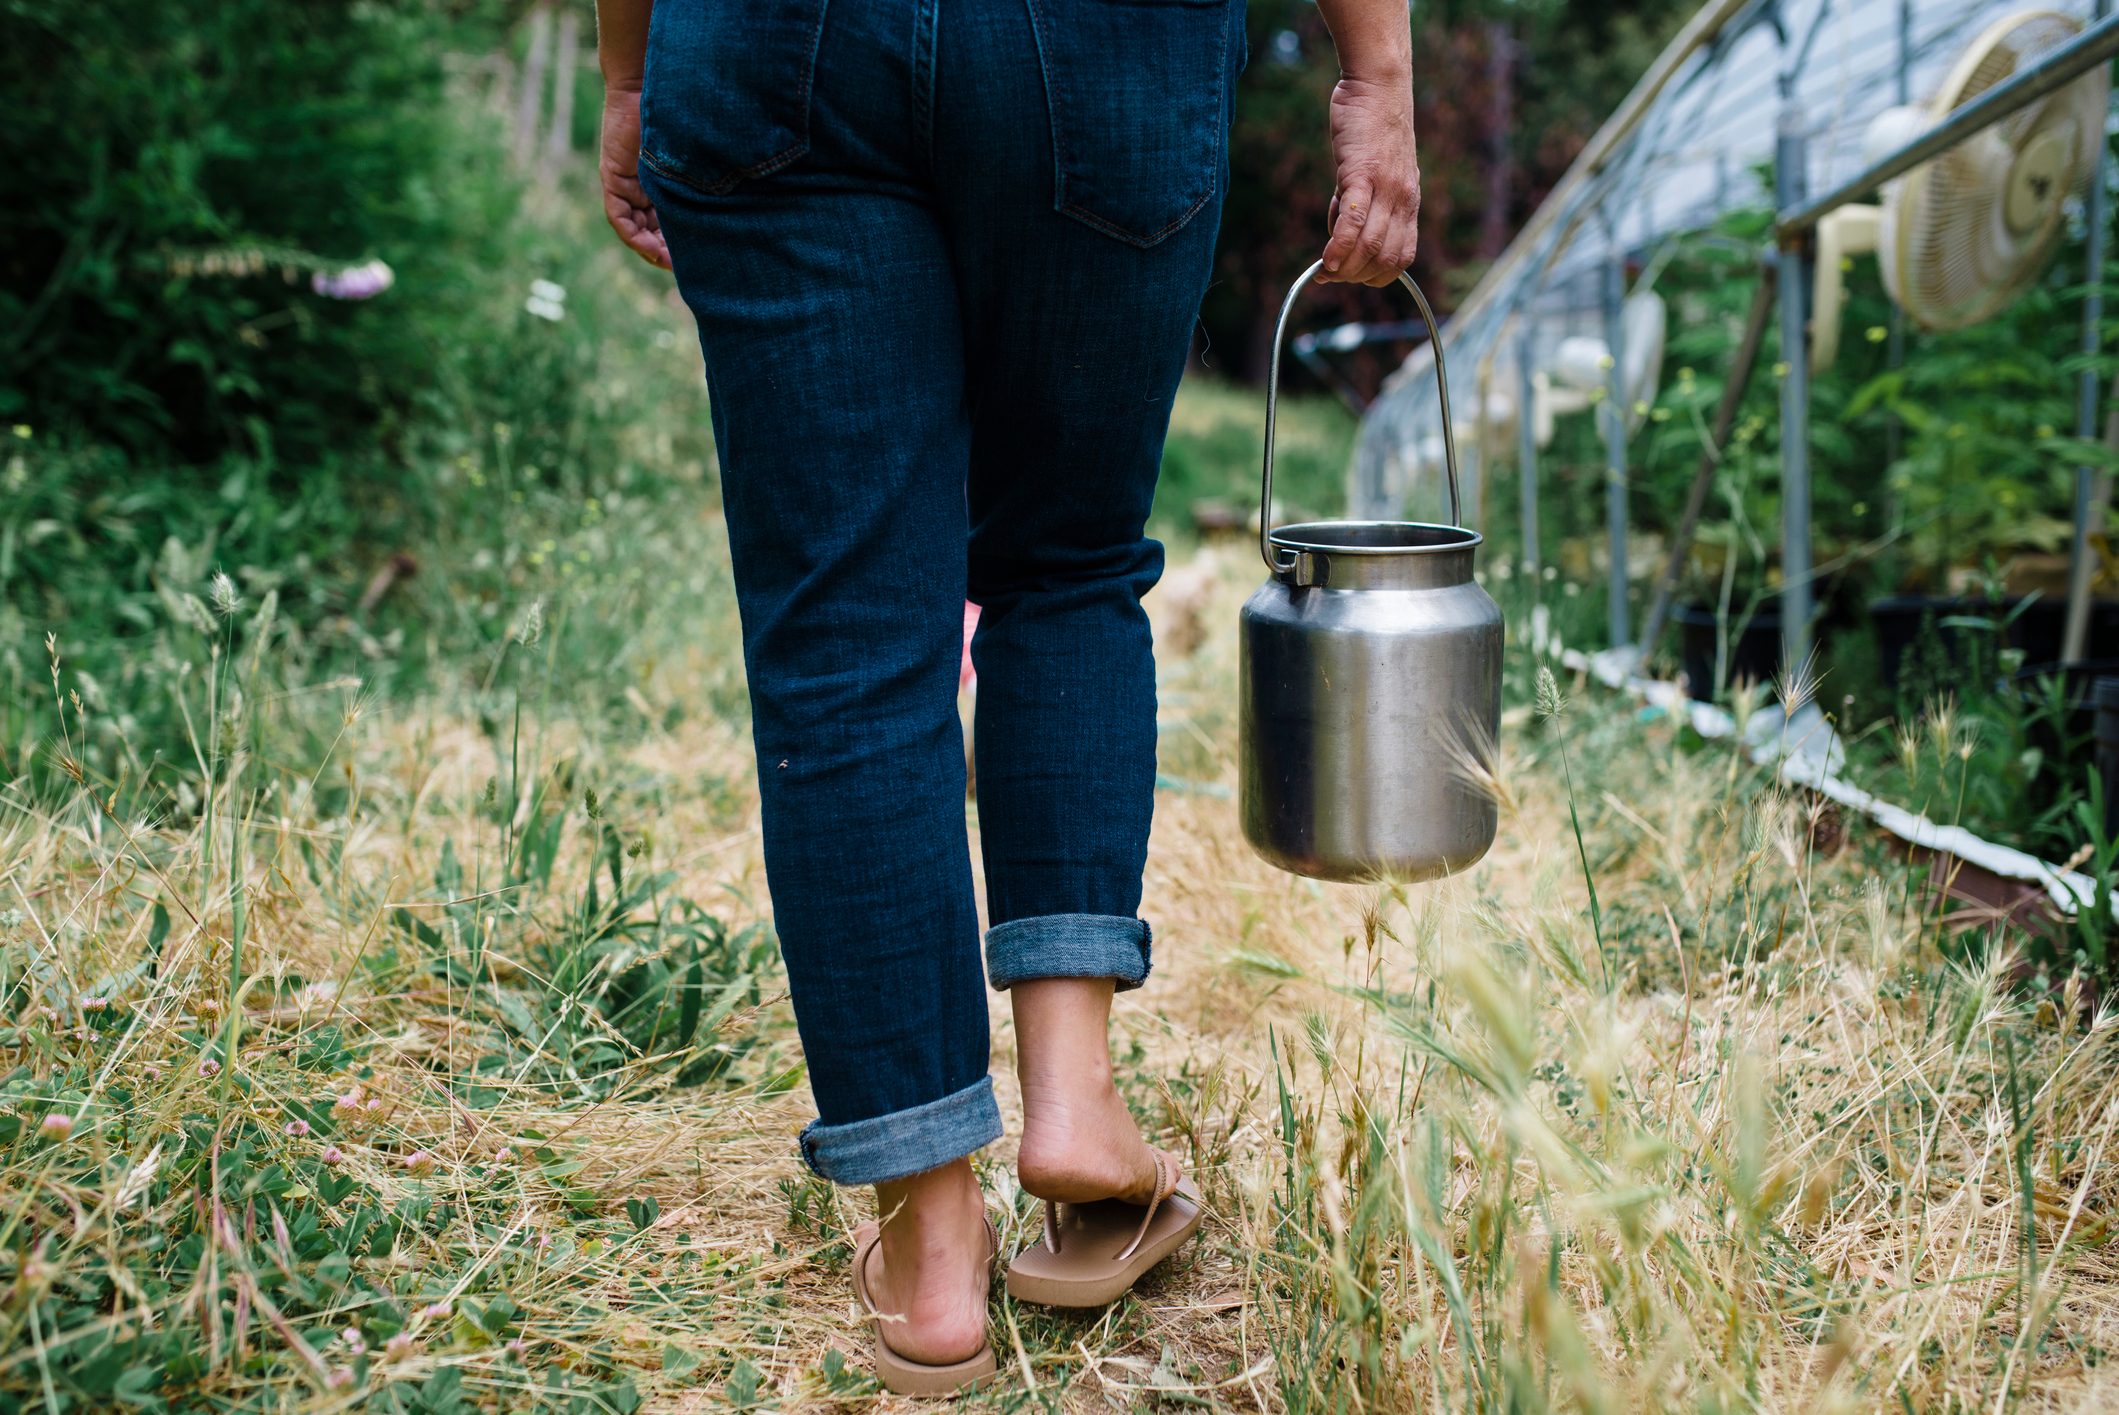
x: 1615, y: 438
x: 1739, y: 378
x: 1527, y: 447
x: 1905, y: 51
x: 1895, y: 355
x: 1473, y: 468
x: 1790, y: 180
x: 2051, y: 71
x: 2088, y: 507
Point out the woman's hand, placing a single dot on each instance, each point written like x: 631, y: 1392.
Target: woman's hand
x: 625, y: 202
x: 1375, y: 216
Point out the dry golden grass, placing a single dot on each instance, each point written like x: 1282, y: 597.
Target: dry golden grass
x: 1757, y: 1135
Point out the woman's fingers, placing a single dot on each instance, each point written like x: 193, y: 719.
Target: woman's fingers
x: 1395, y: 251
x: 637, y: 226
x: 1350, y: 218
x: 625, y: 201
x: 1367, y: 262
x: 1375, y: 232
x: 1401, y: 239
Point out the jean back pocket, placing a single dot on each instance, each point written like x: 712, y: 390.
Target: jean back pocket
x: 727, y: 91
x: 1139, y: 94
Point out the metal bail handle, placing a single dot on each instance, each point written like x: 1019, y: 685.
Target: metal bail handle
x: 1449, y: 434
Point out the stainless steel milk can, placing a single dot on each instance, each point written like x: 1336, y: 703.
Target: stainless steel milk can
x: 1370, y: 684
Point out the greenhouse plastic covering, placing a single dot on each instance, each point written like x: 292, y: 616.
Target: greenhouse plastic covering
x: 1688, y: 146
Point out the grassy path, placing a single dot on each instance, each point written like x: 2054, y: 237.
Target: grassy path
x: 452, y: 1068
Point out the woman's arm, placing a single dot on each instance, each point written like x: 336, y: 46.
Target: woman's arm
x: 1376, y: 201
x: 621, y: 48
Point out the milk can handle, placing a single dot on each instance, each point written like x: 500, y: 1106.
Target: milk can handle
x: 1449, y: 435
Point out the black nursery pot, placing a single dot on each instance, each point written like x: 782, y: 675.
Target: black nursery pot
x: 1754, y: 654
x: 1911, y: 625
x: 2070, y: 739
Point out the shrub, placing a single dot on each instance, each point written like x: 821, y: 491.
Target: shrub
x: 181, y: 172
x: 178, y: 399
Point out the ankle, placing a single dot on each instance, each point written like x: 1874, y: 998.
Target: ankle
x: 937, y: 1203
x: 935, y: 1261
x: 1063, y: 1037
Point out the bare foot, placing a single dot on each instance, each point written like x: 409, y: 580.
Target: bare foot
x: 932, y: 1268
x: 1080, y: 1143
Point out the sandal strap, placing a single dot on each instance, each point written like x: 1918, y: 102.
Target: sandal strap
x: 1166, y: 1177
x: 860, y: 1271
x: 867, y: 1249
x: 1052, y: 1229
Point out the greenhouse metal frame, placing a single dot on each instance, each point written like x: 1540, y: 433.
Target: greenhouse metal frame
x: 1794, y: 81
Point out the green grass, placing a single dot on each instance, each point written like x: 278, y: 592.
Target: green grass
x: 1213, y: 456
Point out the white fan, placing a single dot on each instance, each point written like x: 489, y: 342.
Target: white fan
x: 1579, y: 380
x: 1581, y: 370
x: 1961, y: 237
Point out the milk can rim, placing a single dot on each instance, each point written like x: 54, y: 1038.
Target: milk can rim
x: 1314, y: 536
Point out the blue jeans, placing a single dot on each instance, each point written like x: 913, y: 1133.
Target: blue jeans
x: 945, y: 257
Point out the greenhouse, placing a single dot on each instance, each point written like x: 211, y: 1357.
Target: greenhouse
x: 1917, y: 195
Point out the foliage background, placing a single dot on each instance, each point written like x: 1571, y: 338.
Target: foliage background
x: 1506, y: 95
x: 182, y: 401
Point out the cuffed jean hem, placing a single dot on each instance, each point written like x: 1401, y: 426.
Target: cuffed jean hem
x: 1068, y: 946
x: 911, y: 1141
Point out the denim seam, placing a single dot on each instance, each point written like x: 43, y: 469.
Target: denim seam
x: 909, y: 1141
x: 926, y: 22
x: 670, y: 170
x: 1089, y: 218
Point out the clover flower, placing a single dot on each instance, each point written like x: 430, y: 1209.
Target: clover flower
x: 547, y: 300
x: 354, y: 282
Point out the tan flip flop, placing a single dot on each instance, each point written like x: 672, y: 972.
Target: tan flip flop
x: 899, y: 1375
x: 1093, y: 1253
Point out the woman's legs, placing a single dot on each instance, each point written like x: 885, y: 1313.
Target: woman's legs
x: 827, y: 308
x: 897, y: 320
x: 1076, y: 337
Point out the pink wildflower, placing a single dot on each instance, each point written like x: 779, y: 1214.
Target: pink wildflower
x: 354, y: 282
